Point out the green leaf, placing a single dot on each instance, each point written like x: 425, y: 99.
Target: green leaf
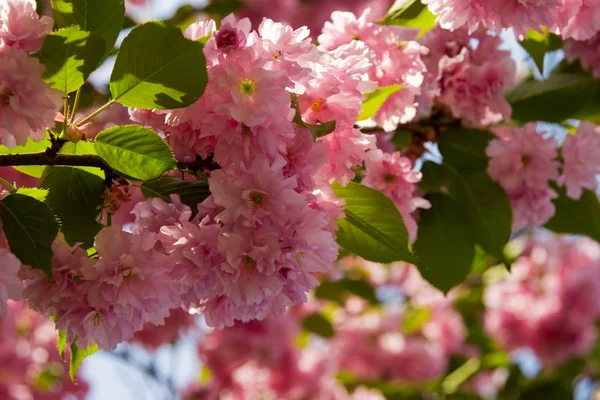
x: 30, y: 147
x: 103, y: 18
x: 361, y: 289
x: 222, y: 8
x: 74, y: 196
x: 82, y: 147
x: 191, y: 193
x: 157, y: 67
x: 30, y: 227
x: 77, y: 357
x: 38, y: 194
x: 456, y: 378
x: 434, y: 178
x: 373, y: 227
x: 547, y: 391
x: 375, y: 100
x: 579, y: 217
x: 70, y: 55
x: 538, y: 44
x: 62, y: 343
x: 411, y: 14
x: 486, y: 208
x: 562, y: 96
x: 318, y: 324
x: 445, y: 244
x: 465, y: 148
x: 135, y: 151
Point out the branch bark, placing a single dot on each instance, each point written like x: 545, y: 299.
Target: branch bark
x: 86, y: 160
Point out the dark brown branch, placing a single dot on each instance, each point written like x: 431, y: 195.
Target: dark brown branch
x: 85, y: 160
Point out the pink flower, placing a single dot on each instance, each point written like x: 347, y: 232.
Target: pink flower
x: 587, y: 52
x: 344, y: 28
x: 232, y: 34
x: 250, y: 93
x: 524, y: 159
x: 549, y: 302
x: 531, y: 206
x: 21, y: 27
x: 494, y: 14
x: 154, y: 213
x: 254, y: 193
x: 27, y: 105
x: 581, y: 165
x: 153, y: 336
x: 579, y: 19
x: 10, y: 284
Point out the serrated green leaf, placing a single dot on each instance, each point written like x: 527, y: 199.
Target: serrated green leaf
x: 61, y: 343
x: 157, y: 67
x: 538, y: 44
x: 373, y: 227
x: 103, y: 18
x: 191, y: 193
x: 464, y: 148
x: 445, y: 245
x: 316, y: 323
x: 30, y: 228
x: 70, y: 55
x: 74, y: 197
x: 579, y: 217
x: 375, y: 100
x: 486, y: 207
x: 135, y: 151
x: 38, y: 194
x: 410, y: 14
x: 30, y: 147
x: 361, y: 289
x: 77, y: 357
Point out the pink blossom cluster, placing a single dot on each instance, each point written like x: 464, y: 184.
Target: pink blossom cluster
x: 524, y: 162
x: 30, y: 367
x: 395, y: 57
x: 153, y: 336
x: 468, y: 74
x: 550, y: 301
x: 586, y: 52
x: 577, y: 19
x: 27, y: 104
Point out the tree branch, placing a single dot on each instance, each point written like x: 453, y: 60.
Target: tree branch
x: 87, y: 160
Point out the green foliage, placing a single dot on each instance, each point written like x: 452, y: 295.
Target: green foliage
x: 77, y: 357
x: 538, y: 44
x: 70, y: 55
x: 30, y: 228
x: 445, y: 245
x: 373, y: 227
x: 547, y: 391
x: 465, y: 148
x: 580, y: 217
x: 434, y: 178
x: 61, y: 343
x: 338, y: 291
x: 222, y: 8
x: 410, y: 14
x: 414, y: 319
x: 375, y: 100
x: 562, y: 96
x: 135, y: 151
x: 82, y: 147
x: 103, y: 18
x: 158, y: 68
x: 486, y: 208
x: 316, y: 323
x: 74, y: 197
x: 30, y: 147
x: 191, y: 193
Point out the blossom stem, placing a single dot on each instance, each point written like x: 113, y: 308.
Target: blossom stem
x: 75, y: 105
x: 5, y: 183
x: 98, y: 111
